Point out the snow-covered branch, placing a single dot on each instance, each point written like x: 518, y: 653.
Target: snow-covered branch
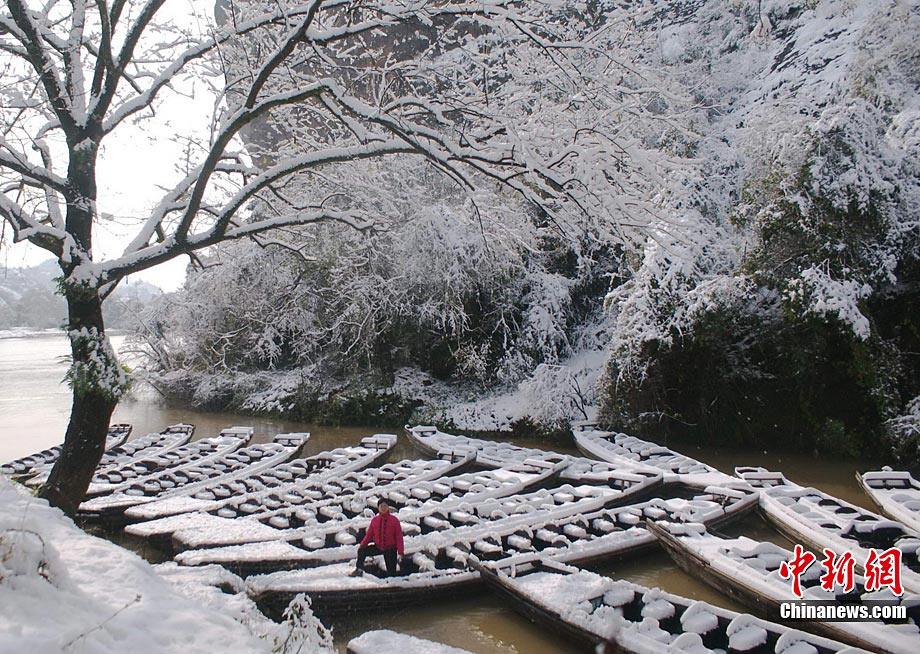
x: 515, y: 93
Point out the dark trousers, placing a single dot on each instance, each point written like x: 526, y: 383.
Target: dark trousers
x: 389, y: 557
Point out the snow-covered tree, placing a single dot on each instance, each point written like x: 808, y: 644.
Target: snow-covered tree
x: 514, y: 94
x: 775, y: 304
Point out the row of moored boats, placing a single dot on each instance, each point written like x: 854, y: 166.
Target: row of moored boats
x: 267, y: 519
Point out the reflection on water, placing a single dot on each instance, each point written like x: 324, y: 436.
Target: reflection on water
x: 34, y: 406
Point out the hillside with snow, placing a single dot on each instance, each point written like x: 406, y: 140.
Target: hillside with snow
x: 767, y: 294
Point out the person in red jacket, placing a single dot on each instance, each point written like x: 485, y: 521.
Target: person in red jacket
x: 386, y: 534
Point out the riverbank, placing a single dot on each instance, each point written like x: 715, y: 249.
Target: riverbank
x: 62, y: 589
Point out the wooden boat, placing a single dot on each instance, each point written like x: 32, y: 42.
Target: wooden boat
x: 748, y: 570
x: 497, y: 454
x: 621, y: 616
x: 818, y: 520
x: 336, y: 539
x: 411, y: 491
x: 227, y: 470
x: 336, y: 500
x: 582, y: 470
x: 445, y: 561
x: 329, y: 463
x: 896, y: 493
x: 189, y: 479
x: 147, y: 474
x: 247, y: 516
x: 29, y: 465
x: 624, y: 450
x: 425, y: 507
x: 489, y: 454
x: 118, y: 477
x: 144, y: 447
x: 438, y: 504
x: 383, y: 641
x: 213, y: 508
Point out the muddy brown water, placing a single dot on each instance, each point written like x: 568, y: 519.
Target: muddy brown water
x: 34, y: 405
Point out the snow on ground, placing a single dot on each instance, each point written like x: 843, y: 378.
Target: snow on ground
x: 63, y: 590
x: 386, y: 642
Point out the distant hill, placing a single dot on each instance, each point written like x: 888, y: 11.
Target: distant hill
x: 28, y: 299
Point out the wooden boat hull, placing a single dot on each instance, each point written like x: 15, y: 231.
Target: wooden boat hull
x: 24, y: 467
x: 109, y: 509
x: 893, y: 510
x: 182, y: 527
x: 218, y: 531
x: 826, y: 521
x: 581, y: 638
x: 800, y: 533
x: 624, y: 617
x: 333, y: 603
x: 145, y: 447
x: 629, y: 451
x: 333, y: 592
x: 699, y: 567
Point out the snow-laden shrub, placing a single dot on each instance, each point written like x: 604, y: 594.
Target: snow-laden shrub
x: 470, y: 301
x: 306, y: 634
x: 787, y: 263
x: 822, y: 296
x: 903, y: 433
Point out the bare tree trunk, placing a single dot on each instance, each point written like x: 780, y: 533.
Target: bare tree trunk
x: 92, y: 409
x: 95, y: 376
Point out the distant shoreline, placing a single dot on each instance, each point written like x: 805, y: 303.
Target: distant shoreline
x: 27, y: 332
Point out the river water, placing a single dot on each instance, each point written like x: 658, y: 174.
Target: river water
x: 34, y: 406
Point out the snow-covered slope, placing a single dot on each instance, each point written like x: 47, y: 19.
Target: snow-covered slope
x: 64, y: 590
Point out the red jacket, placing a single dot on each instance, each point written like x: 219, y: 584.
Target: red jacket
x: 385, y: 532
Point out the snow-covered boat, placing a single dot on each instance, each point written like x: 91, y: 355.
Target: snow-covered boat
x: 818, y: 520
x: 582, y: 470
x: 118, y: 477
x: 294, y: 545
x: 748, y: 570
x: 338, y: 500
x: 227, y: 468
x: 447, y: 561
x: 259, y: 515
x: 499, y: 454
x: 140, y: 476
x: 489, y: 454
x: 29, y: 465
x: 329, y: 463
x: 591, y: 609
x: 336, y: 539
x: 143, y: 447
x: 383, y: 641
x: 896, y: 493
x: 624, y: 450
